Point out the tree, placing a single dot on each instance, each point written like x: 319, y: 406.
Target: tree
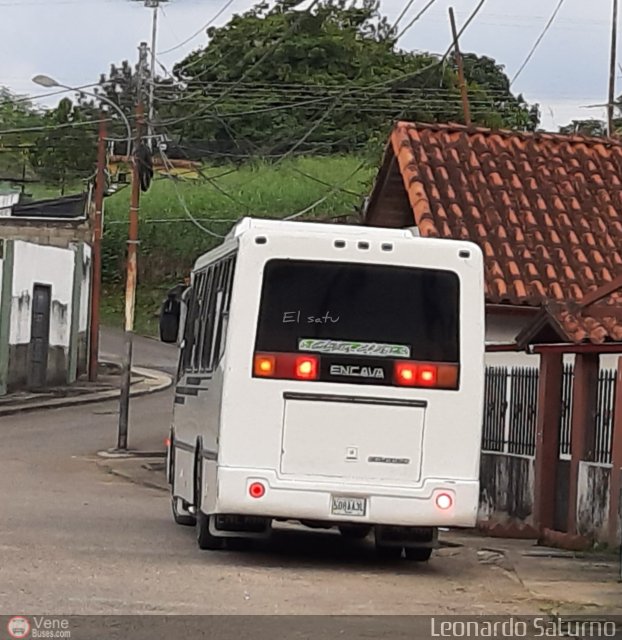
x: 19, y: 121
x: 277, y: 76
x: 591, y: 127
x: 66, y: 149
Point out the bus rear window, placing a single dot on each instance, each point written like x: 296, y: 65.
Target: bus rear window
x: 380, y: 309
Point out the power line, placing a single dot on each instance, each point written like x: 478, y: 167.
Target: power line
x: 402, y: 14
x: 334, y: 189
x: 269, y: 52
x: 182, y: 201
x: 538, y: 41
x: 326, y: 112
x: 201, y: 30
x: 415, y: 19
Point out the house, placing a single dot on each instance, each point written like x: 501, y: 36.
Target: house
x: 45, y: 273
x: 546, y: 210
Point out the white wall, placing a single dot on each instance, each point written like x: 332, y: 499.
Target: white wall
x: 37, y: 264
x: 85, y: 290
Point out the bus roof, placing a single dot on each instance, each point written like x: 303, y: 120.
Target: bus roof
x: 289, y: 227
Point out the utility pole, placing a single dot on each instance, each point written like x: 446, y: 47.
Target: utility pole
x: 97, y: 255
x: 132, y: 251
x: 466, y: 108
x: 612, y: 70
x: 155, y: 5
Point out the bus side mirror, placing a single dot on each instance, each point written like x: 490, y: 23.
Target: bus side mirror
x: 169, y: 321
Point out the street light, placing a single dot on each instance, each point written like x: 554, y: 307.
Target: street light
x: 49, y: 83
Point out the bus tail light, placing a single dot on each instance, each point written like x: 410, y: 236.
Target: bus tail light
x: 286, y: 366
x: 425, y: 374
x: 406, y: 374
x: 306, y: 368
x: 444, y: 501
x: 265, y: 366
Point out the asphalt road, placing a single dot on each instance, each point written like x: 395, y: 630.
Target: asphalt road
x: 75, y: 540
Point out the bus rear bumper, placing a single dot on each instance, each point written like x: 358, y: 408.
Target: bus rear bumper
x: 304, y: 500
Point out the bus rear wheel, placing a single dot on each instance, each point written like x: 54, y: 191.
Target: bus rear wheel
x: 388, y: 552
x: 205, y: 539
x: 418, y: 554
x: 354, y: 531
x: 180, y: 513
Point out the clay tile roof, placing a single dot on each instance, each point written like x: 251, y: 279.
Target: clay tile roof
x: 545, y: 208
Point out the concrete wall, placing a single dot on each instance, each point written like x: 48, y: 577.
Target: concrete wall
x: 46, y: 232
x: 36, y: 264
x: 593, y: 500
x: 506, y: 489
x: 84, y: 318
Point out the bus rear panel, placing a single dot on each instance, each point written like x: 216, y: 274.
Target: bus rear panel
x: 353, y: 381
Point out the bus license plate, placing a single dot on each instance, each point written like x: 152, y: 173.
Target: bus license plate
x: 343, y: 506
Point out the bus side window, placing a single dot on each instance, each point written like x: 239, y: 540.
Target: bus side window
x: 225, y: 304
x: 188, y: 335
x: 209, y: 318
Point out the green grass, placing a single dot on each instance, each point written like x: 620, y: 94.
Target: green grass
x: 170, y: 242
x: 148, y: 301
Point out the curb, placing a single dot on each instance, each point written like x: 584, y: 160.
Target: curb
x: 141, y: 476
x: 161, y: 381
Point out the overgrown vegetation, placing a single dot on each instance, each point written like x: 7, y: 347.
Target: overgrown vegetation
x: 170, y: 241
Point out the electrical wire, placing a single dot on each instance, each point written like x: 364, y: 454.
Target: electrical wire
x: 538, y: 41
x: 415, y: 19
x: 182, y: 201
x: 402, y: 14
x: 334, y: 189
x: 201, y: 30
x: 268, y: 53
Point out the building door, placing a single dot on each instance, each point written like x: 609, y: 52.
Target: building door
x: 40, y: 335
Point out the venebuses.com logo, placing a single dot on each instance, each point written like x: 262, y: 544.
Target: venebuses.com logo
x: 18, y: 627
x: 21, y: 627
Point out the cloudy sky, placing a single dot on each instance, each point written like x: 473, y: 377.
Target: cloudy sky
x: 76, y: 40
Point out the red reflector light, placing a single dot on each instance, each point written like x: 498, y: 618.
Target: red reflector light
x: 444, y: 501
x: 406, y: 374
x: 167, y: 442
x: 428, y: 375
x: 257, y: 490
x: 265, y: 366
x: 306, y: 368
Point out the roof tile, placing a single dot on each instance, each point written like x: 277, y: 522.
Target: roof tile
x: 545, y: 208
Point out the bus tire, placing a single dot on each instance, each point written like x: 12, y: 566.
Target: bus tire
x: 354, y: 531
x: 389, y: 552
x: 205, y: 539
x: 238, y: 544
x: 418, y: 554
x: 181, y: 517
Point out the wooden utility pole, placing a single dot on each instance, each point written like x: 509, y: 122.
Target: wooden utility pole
x: 466, y: 108
x: 96, y: 272
x: 132, y: 268
x: 612, y: 70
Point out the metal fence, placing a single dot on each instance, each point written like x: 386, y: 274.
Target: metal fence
x: 495, y: 408
x: 605, y: 394
x: 565, y: 427
x: 511, y: 409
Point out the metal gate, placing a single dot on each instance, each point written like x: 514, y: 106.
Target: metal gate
x: 39, y: 335
x: 605, y: 394
x: 511, y: 409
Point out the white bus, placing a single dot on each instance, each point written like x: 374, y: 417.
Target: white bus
x: 332, y: 375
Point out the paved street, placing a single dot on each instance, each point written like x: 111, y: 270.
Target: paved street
x: 75, y: 539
